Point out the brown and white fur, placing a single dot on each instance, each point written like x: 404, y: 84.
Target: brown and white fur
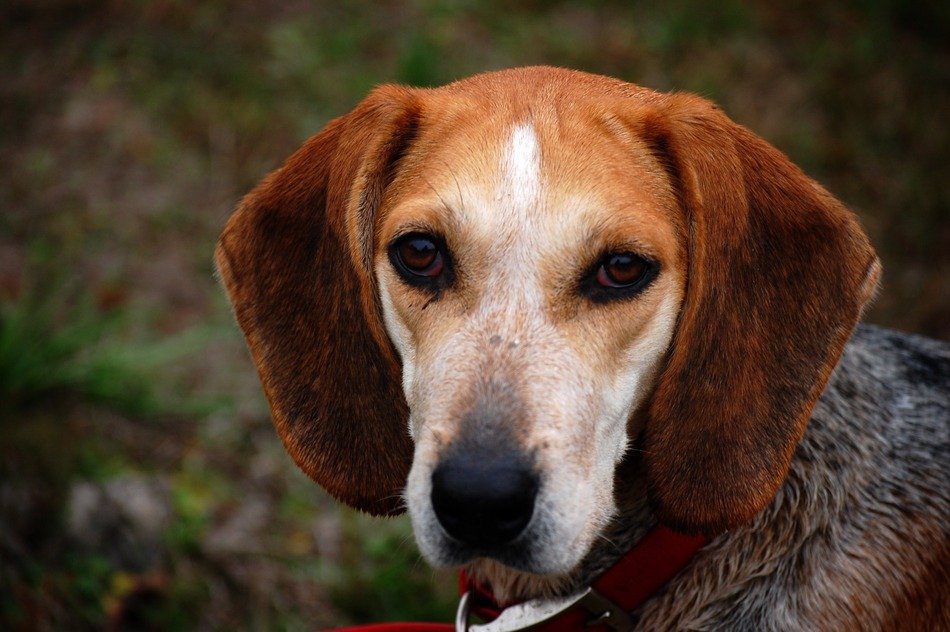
x: 687, y: 402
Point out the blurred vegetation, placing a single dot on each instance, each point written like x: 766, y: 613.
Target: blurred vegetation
x: 141, y: 485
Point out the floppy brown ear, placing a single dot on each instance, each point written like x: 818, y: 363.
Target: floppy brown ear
x: 296, y: 259
x: 778, y: 273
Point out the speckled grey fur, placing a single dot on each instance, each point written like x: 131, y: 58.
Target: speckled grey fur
x: 860, y: 524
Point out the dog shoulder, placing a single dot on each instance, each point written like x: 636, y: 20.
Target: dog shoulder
x: 857, y: 537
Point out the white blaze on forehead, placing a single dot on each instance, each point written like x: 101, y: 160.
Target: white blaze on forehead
x: 521, y: 169
x: 511, y: 218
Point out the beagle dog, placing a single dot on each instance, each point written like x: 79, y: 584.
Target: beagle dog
x: 545, y: 311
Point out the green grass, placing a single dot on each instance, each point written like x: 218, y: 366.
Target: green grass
x: 56, y: 342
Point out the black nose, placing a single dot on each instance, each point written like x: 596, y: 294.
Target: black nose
x: 483, y: 499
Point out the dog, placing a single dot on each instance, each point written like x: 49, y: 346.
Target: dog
x: 545, y: 311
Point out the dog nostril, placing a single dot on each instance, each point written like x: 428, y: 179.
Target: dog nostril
x: 483, y: 500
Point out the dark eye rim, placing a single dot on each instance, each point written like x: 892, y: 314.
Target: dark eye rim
x: 413, y: 277
x: 604, y: 294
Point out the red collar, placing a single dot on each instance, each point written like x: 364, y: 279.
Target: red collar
x: 644, y: 570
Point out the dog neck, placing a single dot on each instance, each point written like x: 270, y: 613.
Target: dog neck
x: 630, y: 524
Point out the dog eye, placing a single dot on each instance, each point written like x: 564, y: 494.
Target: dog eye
x: 418, y: 255
x: 621, y: 270
x: 618, y: 276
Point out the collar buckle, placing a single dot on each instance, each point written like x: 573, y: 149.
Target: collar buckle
x: 605, y: 612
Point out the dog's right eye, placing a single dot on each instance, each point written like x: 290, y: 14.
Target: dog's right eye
x: 418, y: 257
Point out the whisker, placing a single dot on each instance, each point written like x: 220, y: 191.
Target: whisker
x: 458, y: 187
x: 445, y: 204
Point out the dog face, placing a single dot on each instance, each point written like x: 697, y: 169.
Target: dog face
x: 474, y: 298
x: 545, y: 294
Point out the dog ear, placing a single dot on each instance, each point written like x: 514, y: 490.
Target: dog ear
x: 296, y: 260
x: 778, y: 273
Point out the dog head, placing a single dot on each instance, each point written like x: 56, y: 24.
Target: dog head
x: 472, y: 299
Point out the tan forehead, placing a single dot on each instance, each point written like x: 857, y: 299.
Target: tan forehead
x: 593, y: 178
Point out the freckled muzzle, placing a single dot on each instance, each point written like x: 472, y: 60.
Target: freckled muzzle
x: 484, y: 498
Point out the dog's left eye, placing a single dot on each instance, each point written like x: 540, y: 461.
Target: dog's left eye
x: 621, y: 270
x: 619, y: 275
x: 418, y: 257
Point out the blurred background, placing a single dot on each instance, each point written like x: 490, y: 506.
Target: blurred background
x: 141, y: 483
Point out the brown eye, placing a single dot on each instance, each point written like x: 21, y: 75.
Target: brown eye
x: 419, y: 255
x: 621, y: 270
